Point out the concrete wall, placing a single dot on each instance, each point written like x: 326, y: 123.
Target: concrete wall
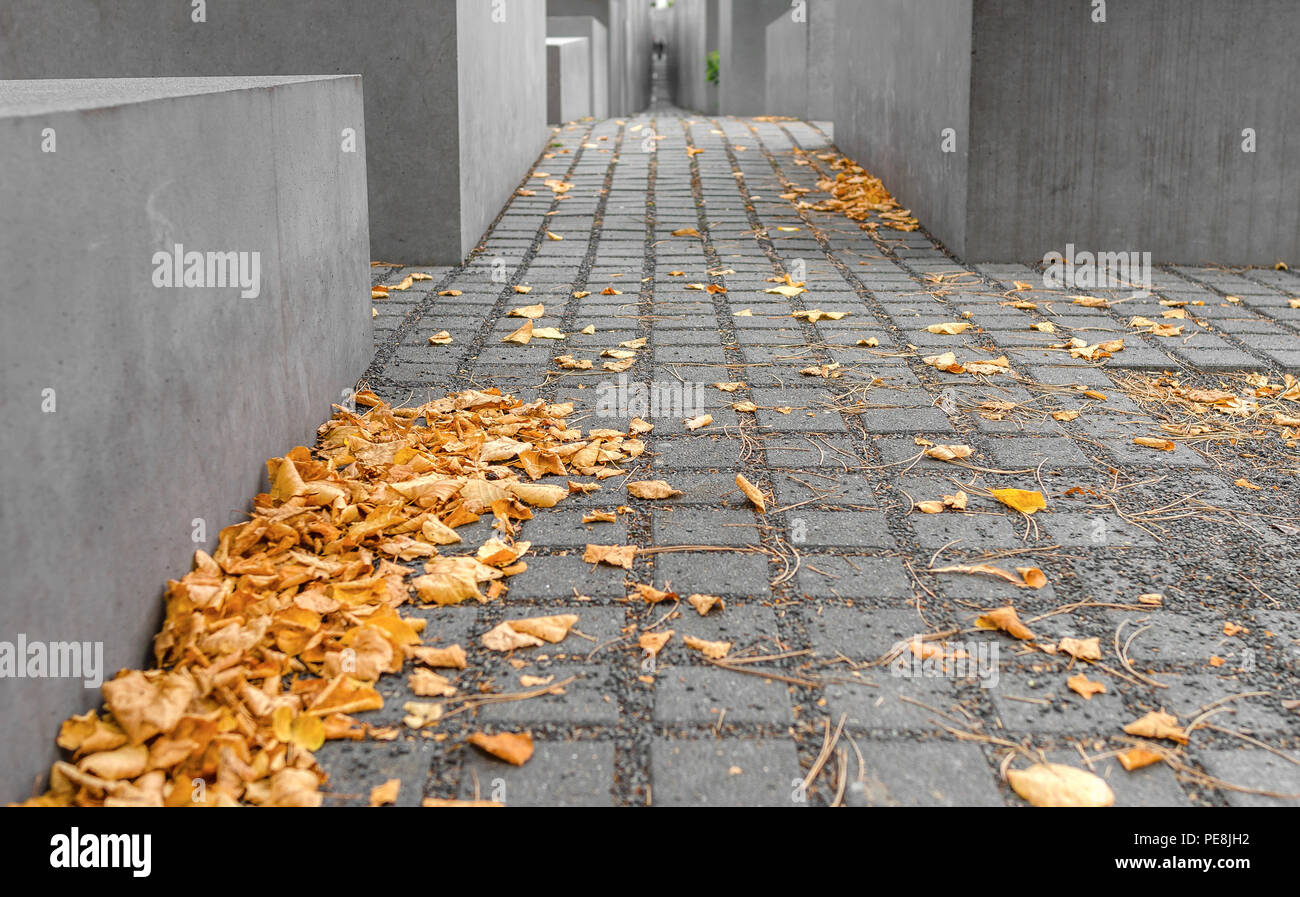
x: 590, y: 28
x: 801, y: 63
x: 787, y: 67
x: 166, y: 401
x: 902, y: 76
x: 1117, y: 136
x: 568, y: 78
x: 443, y: 81
x: 627, y: 24
x: 1127, y: 135
x: 742, y: 43
x: 820, y: 76
x: 695, y: 33
x: 501, y: 109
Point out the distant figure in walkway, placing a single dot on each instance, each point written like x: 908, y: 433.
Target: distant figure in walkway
x: 659, y: 49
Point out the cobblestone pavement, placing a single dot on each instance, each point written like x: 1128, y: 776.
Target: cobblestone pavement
x: 836, y: 573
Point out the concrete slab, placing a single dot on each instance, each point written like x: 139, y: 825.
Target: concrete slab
x: 568, y: 79
x: 138, y: 414
x: 444, y: 79
x: 591, y: 28
x: 1013, y: 133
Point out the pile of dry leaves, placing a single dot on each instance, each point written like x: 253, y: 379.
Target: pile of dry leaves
x: 270, y: 643
x: 857, y: 194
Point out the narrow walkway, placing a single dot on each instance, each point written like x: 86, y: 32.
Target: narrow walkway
x: 1176, y: 558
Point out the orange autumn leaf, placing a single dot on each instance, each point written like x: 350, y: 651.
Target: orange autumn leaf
x: 512, y: 747
x: 1006, y: 620
x: 1085, y: 686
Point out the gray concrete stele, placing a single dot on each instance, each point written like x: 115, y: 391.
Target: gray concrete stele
x: 186, y: 294
x: 1015, y: 128
x: 568, y: 79
x: 455, y: 89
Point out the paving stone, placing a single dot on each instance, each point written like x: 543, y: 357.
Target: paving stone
x: 1255, y: 769
x: 695, y: 526
x: 726, y: 772
x: 888, y: 702
x: 559, y: 774
x: 714, y: 572
x: 1042, y: 702
x: 849, y: 529
x: 929, y: 774
x: 590, y: 700
x: 711, y: 697
x: 859, y: 632
x: 827, y: 576
x: 357, y: 766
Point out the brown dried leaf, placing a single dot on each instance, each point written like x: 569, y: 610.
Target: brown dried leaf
x: 711, y: 650
x: 752, y: 493
x: 651, y: 489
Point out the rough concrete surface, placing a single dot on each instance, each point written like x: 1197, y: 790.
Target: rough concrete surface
x: 138, y: 418
x: 568, y: 78
x: 460, y: 99
x: 591, y: 28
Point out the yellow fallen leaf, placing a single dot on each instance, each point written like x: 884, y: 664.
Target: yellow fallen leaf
x: 1033, y: 577
x: 653, y: 642
x: 1023, y: 500
x: 702, y: 420
x: 527, y: 311
x: 952, y: 328
x: 788, y: 292
x: 521, y: 336
x: 704, y: 603
x: 1163, y: 445
x: 1058, y: 785
x: 946, y: 362
x: 949, y: 452
x: 1158, y: 724
x: 812, y: 316
x: 441, y: 338
x: 614, y: 555
x: 453, y: 656
x: 426, y: 683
